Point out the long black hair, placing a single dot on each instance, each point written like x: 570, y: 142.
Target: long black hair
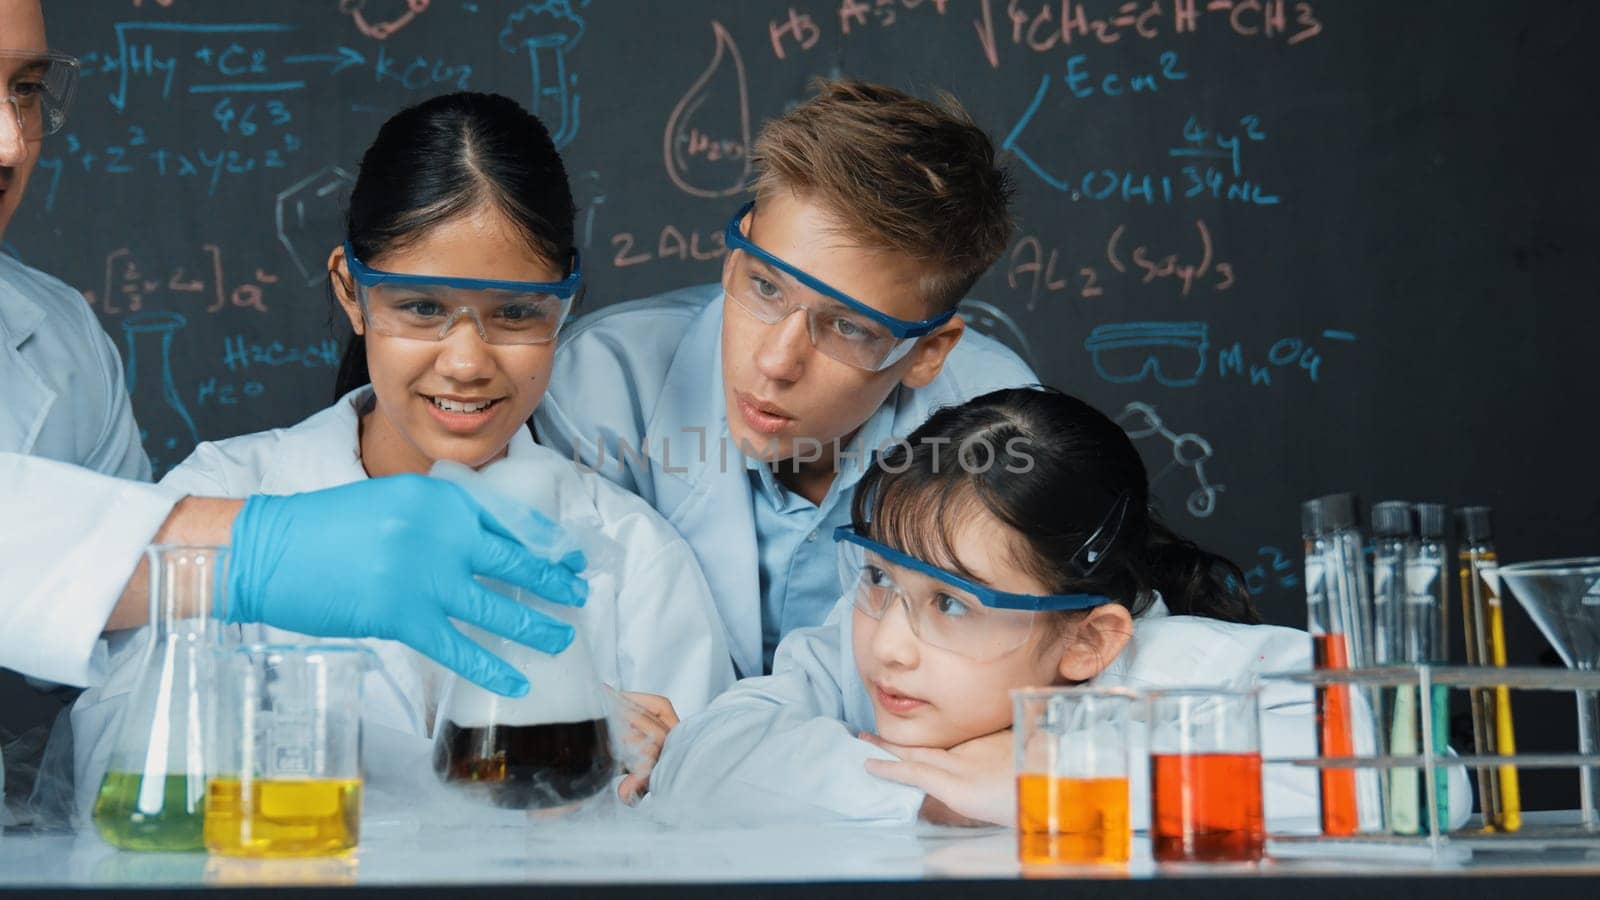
x: 1054, y: 470
x: 446, y: 157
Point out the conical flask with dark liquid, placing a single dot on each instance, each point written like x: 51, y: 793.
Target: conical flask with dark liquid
x: 547, y: 750
x: 153, y: 793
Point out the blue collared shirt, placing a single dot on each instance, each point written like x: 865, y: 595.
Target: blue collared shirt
x: 798, y: 561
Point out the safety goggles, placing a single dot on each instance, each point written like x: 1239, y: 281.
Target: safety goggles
x: 943, y: 609
x: 426, y: 307
x: 40, y: 85
x: 841, y: 327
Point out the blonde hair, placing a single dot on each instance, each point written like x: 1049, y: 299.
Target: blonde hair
x: 900, y: 173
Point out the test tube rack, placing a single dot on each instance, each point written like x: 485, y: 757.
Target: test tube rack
x: 1438, y: 843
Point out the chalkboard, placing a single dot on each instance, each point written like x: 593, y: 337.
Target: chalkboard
x: 1294, y: 246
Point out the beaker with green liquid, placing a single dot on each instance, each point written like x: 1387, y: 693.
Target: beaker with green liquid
x: 153, y: 795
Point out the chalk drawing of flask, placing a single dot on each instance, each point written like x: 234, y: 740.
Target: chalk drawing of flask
x: 547, y: 31
x: 706, y: 147
x: 166, y: 427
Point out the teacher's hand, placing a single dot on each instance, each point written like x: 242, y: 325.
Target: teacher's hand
x: 396, y: 558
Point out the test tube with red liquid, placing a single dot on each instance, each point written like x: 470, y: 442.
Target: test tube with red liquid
x: 1327, y: 612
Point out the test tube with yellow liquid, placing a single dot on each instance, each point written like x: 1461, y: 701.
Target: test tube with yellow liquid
x: 1484, y: 625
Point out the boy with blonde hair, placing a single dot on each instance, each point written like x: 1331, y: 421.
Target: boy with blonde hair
x: 748, y: 425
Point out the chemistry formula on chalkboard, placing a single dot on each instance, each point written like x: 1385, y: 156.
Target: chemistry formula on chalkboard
x: 1280, y: 241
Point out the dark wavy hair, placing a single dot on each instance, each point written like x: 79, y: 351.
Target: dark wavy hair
x: 1057, y: 469
x: 445, y: 157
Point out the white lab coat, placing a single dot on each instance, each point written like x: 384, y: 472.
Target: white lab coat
x: 649, y: 373
x: 783, y: 748
x: 651, y: 627
x: 74, y: 516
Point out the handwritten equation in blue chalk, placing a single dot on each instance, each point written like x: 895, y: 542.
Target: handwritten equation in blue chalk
x: 251, y: 80
x: 248, y: 58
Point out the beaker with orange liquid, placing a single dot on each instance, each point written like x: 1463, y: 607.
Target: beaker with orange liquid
x: 1072, y: 775
x: 1205, y: 776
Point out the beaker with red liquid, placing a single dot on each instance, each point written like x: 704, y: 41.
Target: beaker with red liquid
x: 1205, y: 776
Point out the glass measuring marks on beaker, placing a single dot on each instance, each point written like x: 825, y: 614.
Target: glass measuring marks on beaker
x: 1562, y: 596
x: 152, y: 796
x: 285, y: 765
x: 1072, y: 747
x: 1206, y: 802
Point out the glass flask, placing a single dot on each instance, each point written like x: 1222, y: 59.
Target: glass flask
x: 285, y: 768
x: 153, y: 794
x: 549, y: 749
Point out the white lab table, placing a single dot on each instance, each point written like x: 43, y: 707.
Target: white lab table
x: 627, y: 854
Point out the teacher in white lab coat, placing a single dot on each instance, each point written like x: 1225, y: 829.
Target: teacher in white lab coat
x: 76, y: 511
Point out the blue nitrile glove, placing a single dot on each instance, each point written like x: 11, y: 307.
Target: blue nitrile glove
x: 392, y: 558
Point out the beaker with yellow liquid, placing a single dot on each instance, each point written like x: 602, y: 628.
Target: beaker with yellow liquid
x: 1072, y: 747
x: 285, y: 764
x: 152, y: 796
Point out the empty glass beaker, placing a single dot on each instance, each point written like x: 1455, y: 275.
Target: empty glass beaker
x: 548, y: 749
x: 152, y: 797
x: 285, y: 767
x: 1072, y: 774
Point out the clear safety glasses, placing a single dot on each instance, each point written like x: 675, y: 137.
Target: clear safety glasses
x: 943, y: 609
x: 840, y: 326
x: 426, y: 307
x: 39, y: 85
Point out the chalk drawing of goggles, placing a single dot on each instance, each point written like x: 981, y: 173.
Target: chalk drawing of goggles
x: 1173, y: 353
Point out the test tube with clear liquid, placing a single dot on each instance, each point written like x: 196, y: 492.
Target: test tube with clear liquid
x: 1396, y: 706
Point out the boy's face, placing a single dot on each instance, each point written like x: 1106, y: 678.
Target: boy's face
x: 926, y: 696
x: 781, y: 393
x: 21, y: 28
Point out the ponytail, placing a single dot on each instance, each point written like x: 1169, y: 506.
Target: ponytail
x: 1193, y: 581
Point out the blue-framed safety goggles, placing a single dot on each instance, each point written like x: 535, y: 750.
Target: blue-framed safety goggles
x: 860, y: 346
x: 426, y: 307
x: 983, y: 593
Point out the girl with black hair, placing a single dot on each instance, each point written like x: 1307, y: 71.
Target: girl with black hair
x: 456, y: 272
x: 1007, y: 543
